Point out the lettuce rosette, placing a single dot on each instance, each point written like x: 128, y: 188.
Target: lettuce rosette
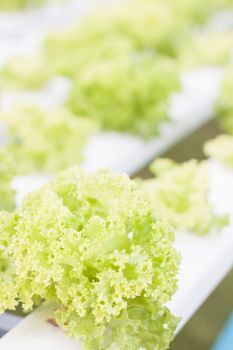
x: 179, y: 195
x: 44, y: 141
x: 207, y: 49
x: 130, y: 95
x: 221, y: 149
x: 90, y: 244
x: 107, y: 33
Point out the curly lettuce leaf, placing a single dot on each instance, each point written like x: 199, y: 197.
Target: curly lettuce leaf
x: 130, y: 94
x: 138, y: 327
x: 90, y: 244
x: 41, y: 140
x: 221, y: 149
x: 8, y: 290
x: 179, y: 195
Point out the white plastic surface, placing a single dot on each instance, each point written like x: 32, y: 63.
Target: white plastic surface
x: 206, y: 260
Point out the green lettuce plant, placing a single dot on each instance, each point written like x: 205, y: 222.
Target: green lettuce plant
x: 12, y: 5
x: 130, y: 94
x: 113, y: 31
x: 143, y: 24
x: 7, y: 172
x: 197, y: 11
x: 40, y: 140
x: 25, y: 72
x: 211, y: 48
x: 221, y: 148
x: 108, y: 33
x: 34, y: 71
x: 179, y: 195
x: 90, y: 244
x: 70, y: 57
x: 8, y: 290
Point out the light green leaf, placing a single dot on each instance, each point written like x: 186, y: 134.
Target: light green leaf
x: 90, y: 244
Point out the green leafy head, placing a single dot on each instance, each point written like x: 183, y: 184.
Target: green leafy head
x: 179, y: 195
x: 221, y: 149
x: 128, y: 94
x: 91, y: 244
x: 57, y: 142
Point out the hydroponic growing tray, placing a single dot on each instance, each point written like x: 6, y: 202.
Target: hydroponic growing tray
x: 206, y: 260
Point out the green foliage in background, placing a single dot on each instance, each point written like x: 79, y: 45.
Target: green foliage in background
x: 225, y: 102
x: 179, y: 195
x: 7, y: 172
x: 12, y: 5
x: 221, y: 149
x: 146, y: 25
x: 129, y: 94
x: 41, y: 140
x: 210, y: 48
x: 115, y: 30
x: 69, y: 56
x: 100, y: 55
x: 198, y: 11
x: 136, y: 26
x: 25, y: 72
x: 90, y: 244
x: 122, y: 30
